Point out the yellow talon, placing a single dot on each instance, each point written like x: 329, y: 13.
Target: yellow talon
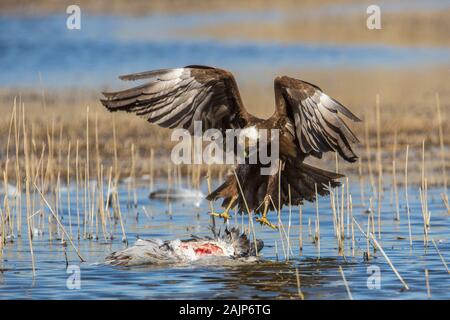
x: 264, y: 220
x: 224, y: 215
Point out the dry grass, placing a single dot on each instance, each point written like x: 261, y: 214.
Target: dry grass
x: 398, y: 28
x: 407, y: 106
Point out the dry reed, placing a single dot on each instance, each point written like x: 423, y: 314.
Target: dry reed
x: 375, y: 243
x: 440, y: 256
x: 406, y: 196
x: 299, y: 290
x: 347, y: 288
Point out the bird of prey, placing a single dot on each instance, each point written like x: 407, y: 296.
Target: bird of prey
x: 308, y: 120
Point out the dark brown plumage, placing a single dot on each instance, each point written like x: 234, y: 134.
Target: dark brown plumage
x: 308, y: 120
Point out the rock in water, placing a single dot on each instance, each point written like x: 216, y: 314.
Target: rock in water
x: 9, y: 191
x: 174, y: 194
x: 178, y: 194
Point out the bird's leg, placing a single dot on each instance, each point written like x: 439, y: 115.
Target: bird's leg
x: 225, y: 215
x: 272, y: 184
x: 263, y: 219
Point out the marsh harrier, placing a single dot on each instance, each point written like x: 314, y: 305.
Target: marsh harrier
x: 308, y: 121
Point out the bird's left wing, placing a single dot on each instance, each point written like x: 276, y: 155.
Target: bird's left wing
x: 318, y: 126
x: 175, y: 98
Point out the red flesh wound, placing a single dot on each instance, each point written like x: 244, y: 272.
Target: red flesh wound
x: 205, y: 249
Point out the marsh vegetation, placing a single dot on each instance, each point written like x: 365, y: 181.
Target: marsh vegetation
x: 76, y: 179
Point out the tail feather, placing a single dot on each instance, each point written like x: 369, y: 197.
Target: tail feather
x: 303, y: 180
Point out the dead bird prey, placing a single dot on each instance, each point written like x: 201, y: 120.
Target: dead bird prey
x: 231, y: 245
x: 308, y: 121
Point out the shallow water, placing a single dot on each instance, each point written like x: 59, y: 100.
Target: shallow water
x: 319, y: 272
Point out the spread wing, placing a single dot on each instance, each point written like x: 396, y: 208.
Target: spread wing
x: 318, y: 125
x: 175, y: 98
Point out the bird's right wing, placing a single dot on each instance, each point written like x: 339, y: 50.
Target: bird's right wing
x: 318, y: 126
x: 175, y: 98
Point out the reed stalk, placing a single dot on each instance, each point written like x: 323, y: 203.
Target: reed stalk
x: 367, y: 238
x: 18, y: 196
x: 335, y: 218
x: 8, y: 214
x: 85, y: 204
x: 133, y: 174
x: 59, y: 222
x: 394, y: 158
x: 379, y: 198
x: 282, y: 230
x: 77, y: 180
x: 376, y: 244
x: 57, y: 201
x: 8, y: 217
x: 348, y: 207
x: 152, y: 169
x: 427, y: 283
x: 27, y: 191
x: 116, y: 161
x: 87, y: 176
x: 169, y: 187
x: 372, y: 215
x: 394, y: 183
x: 119, y: 212
x: 342, y: 219
x: 2, y: 234
x: 300, y: 237
x: 100, y: 206
x: 352, y: 226
x: 347, y: 288
x: 289, y: 221
x: 210, y: 203
x: 440, y: 256
x: 378, y: 124
x: 379, y: 163
x: 299, y: 290
x: 309, y: 229
x: 248, y: 211
x: 361, y: 182
x: 369, y: 157
x: 108, y: 195
x: 446, y: 202
x: 406, y: 196
x: 100, y: 198
x: 41, y: 203
x: 424, y: 216
x: 317, y: 229
x: 68, y: 191
x: 276, y: 250
x: 441, y: 142
x: 278, y: 209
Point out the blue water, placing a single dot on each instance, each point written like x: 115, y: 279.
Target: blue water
x: 34, y: 48
x: 318, y: 266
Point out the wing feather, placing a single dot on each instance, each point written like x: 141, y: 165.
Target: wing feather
x: 175, y: 98
x: 316, y: 117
